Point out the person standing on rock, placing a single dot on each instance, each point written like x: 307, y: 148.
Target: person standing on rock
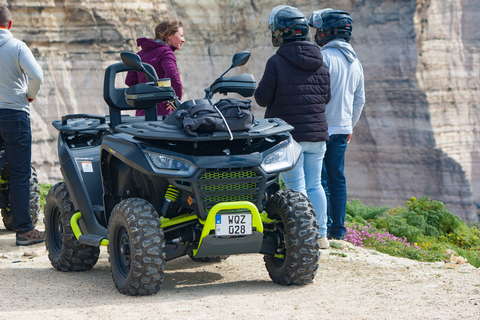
x: 21, y: 80
x: 296, y: 87
x: 159, y: 52
x: 333, y: 32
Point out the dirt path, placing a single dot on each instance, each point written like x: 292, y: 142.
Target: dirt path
x: 361, y: 285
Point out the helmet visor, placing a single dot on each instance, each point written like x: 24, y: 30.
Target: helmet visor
x: 315, y: 19
x: 271, y: 18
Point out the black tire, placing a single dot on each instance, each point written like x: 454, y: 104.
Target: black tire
x: 136, y: 248
x: 34, y: 204
x: 298, y: 239
x: 65, y: 252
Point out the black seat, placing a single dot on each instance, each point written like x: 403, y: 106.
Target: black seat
x: 115, y: 97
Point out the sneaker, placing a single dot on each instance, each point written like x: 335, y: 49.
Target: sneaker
x: 30, y: 237
x: 324, y: 244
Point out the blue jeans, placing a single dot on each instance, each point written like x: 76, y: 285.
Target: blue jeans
x: 16, y: 139
x: 306, y: 178
x: 335, y: 184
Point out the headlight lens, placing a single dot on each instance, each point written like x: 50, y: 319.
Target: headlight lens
x: 281, y: 159
x: 168, y: 165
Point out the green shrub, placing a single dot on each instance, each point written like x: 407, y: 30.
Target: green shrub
x: 422, y: 230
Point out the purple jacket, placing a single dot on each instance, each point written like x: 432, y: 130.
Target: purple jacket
x: 163, y: 59
x: 296, y: 87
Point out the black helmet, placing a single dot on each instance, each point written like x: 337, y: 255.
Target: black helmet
x: 331, y: 24
x: 287, y: 24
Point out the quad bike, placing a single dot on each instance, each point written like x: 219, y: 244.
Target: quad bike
x: 34, y: 205
x: 150, y: 192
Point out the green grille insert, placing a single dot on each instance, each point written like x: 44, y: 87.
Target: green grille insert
x: 228, y: 198
x: 228, y: 187
x: 216, y: 175
x: 217, y: 186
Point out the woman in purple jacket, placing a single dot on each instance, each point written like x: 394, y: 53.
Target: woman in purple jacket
x: 159, y: 52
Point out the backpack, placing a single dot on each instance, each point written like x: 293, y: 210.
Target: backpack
x: 225, y: 115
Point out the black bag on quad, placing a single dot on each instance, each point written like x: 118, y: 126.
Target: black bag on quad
x: 34, y: 204
x: 151, y: 192
x: 225, y: 115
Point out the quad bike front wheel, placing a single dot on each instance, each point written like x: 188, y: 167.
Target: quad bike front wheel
x: 34, y: 204
x: 136, y: 248
x: 296, y: 261
x: 65, y: 252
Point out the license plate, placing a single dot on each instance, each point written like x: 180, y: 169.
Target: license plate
x: 237, y: 224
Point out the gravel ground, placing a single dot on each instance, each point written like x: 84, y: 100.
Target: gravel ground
x: 351, y: 283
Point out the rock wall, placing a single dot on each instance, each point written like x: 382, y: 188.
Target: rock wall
x: 417, y: 136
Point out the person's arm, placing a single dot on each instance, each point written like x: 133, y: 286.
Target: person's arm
x: 169, y: 65
x: 267, y: 87
x: 33, y: 72
x: 358, y: 100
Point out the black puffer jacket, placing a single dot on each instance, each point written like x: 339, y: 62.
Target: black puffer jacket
x: 296, y: 87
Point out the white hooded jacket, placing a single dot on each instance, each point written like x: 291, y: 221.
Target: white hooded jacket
x: 347, y: 86
x: 21, y: 74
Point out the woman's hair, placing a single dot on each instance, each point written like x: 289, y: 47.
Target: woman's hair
x: 166, y: 28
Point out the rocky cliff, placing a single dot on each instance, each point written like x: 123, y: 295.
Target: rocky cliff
x: 418, y: 134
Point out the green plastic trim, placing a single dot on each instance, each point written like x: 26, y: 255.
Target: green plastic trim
x: 265, y: 218
x: 177, y: 220
x: 76, y: 229
x: 209, y: 224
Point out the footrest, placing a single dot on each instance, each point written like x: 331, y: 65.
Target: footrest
x: 91, y: 239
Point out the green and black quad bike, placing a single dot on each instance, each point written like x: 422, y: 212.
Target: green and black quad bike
x: 34, y: 205
x: 150, y: 192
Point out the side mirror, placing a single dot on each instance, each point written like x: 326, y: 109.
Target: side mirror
x: 131, y: 60
x: 240, y: 58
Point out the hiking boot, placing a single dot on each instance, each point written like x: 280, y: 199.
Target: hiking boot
x: 30, y: 237
x: 324, y: 244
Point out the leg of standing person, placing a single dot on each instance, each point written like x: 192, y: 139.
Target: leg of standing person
x: 306, y: 178
x: 334, y: 165
x: 314, y: 153
x: 327, y: 192
x: 16, y: 136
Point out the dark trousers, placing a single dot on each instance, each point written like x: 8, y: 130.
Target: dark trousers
x: 16, y: 139
x: 335, y: 184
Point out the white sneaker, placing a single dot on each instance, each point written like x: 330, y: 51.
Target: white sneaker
x: 324, y: 244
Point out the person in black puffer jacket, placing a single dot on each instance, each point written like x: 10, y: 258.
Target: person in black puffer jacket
x: 296, y: 87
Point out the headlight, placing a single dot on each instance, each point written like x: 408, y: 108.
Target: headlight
x: 283, y: 158
x: 167, y: 165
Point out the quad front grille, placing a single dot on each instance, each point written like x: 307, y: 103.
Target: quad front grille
x: 225, y: 185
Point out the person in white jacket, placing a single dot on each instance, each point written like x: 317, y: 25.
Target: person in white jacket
x: 333, y: 32
x: 20, y: 83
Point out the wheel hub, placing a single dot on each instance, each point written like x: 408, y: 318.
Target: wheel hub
x: 125, y: 249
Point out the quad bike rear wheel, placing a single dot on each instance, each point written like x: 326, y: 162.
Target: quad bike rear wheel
x: 296, y: 261
x: 34, y: 205
x: 136, y: 248
x: 65, y: 252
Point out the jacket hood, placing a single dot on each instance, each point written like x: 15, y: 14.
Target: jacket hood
x: 344, y: 47
x: 5, y: 35
x: 148, y: 44
x: 302, y: 54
